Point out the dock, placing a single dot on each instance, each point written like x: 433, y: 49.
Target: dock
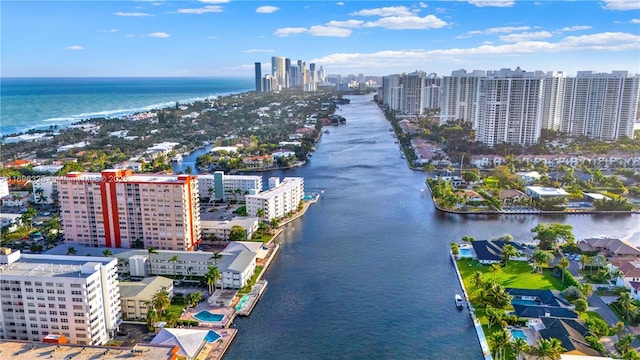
x: 249, y: 301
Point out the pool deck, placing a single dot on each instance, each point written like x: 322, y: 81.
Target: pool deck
x: 229, y: 315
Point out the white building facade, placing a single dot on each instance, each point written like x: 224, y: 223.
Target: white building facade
x: 228, y: 187
x: 278, y: 201
x: 76, y: 296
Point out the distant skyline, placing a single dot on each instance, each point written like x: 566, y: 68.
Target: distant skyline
x: 226, y: 38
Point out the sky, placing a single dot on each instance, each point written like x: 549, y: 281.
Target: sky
x: 226, y: 38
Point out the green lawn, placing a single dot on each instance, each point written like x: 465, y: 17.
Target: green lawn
x: 517, y: 274
x: 173, y: 311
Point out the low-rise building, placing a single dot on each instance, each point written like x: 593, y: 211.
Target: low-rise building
x: 135, y: 296
x: 221, y: 187
x: 609, y: 247
x: 16, y: 199
x: 538, y: 192
x: 490, y: 251
x: 221, y: 229
x: 190, y: 342
x: 278, y: 201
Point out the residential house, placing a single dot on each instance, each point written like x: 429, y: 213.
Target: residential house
x: 572, y: 334
x: 530, y: 177
x: 609, y: 247
x: 630, y: 269
x: 490, y: 251
x: 539, y: 192
x: 136, y: 295
x: 512, y: 196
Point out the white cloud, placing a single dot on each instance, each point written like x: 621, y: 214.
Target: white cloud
x: 495, y: 30
x: 290, y: 31
x: 575, y: 28
x: 635, y: 21
x: 129, y: 36
x: 621, y: 4
x: 159, y: 35
x: 407, y: 22
x: 74, y: 47
x: 134, y: 14
x: 212, y: 37
x: 411, y: 58
x: 321, y: 30
x: 526, y: 36
x: 384, y: 11
x: 493, y: 3
x: 267, y: 9
x: 202, y: 10
x: 423, y: 5
x: 345, y: 24
x: 259, y: 51
x: 214, y: 1
x: 109, y: 31
x: 340, y: 3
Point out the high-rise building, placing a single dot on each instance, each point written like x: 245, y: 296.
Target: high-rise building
x: 392, y: 91
x: 600, y: 106
x: 278, y: 71
x: 287, y: 71
x: 459, y: 96
x: 117, y: 209
x: 412, y: 92
x: 74, y: 296
x: 554, y: 85
x: 268, y: 83
x: 510, y: 107
x: 312, y: 73
x: 258, y: 74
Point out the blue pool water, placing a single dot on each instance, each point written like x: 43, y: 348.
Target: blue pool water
x: 241, y: 302
x: 212, y: 336
x: 524, y: 302
x: 518, y: 334
x: 465, y: 252
x: 206, y: 316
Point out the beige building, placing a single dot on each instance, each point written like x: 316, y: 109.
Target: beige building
x: 135, y: 295
x: 117, y: 208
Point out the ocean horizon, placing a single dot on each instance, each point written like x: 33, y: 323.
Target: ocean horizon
x: 42, y: 102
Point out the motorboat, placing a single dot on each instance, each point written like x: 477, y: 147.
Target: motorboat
x: 459, y: 302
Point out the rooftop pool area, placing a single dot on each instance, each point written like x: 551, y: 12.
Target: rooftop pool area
x: 208, y: 317
x: 518, y: 334
x: 212, y: 336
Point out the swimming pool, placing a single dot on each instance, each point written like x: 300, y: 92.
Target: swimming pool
x: 465, y: 252
x: 518, y: 334
x: 212, y: 336
x: 208, y: 317
x: 524, y: 302
x: 241, y: 302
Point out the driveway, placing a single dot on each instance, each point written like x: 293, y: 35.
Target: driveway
x: 598, y: 305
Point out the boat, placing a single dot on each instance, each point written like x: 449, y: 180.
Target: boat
x: 177, y: 158
x: 459, y: 303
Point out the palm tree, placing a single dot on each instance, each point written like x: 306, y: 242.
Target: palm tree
x: 616, y: 274
x: 39, y: 196
x: 586, y: 260
x: 500, y: 342
x: 519, y: 346
x: 260, y: 213
x: 215, y: 257
x: 586, y: 289
x: 71, y: 250
x: 274, y: 223
x: 540, y: 257
x: 507, y: 252
x: 548, y: 349
x: 468, y: 239
x: 107, y: 253
x: 211, y: 277
x: 563, y: 264
x: 476, y: 279
x: 152, y: 315
x: 151, y: 250
x: 160, y: 301
x: 626, y: 303
x: 495, y: 268
x: 174, y: 259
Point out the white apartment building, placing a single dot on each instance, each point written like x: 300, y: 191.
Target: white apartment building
x: 601, y: 106
x: 4, y: 187
x: 45, y: 190
x: 278, y: 201
x: 413, y: 92
x: 510, y: 107
x: 117, y: 208
x: 76, y: 296
x: 459, y: 96
x: 221, y: 229
x: 391, y: 91
x: 554, y: 85
x: 228, y: 187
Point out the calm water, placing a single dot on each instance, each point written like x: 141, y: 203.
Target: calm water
x: 37, y: 103
x: 365, y: 274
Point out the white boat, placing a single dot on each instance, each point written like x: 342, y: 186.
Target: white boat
x: 459, y: 303
x: 177, y: 158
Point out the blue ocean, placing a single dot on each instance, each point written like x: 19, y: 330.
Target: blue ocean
x: 38, y: 103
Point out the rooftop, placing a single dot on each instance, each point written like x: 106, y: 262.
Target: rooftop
x: 25, y: 350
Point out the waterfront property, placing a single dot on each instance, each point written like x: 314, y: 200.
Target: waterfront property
x: 281, y: 199
x: 490, y: 251
x: 25, y: 350
x: 222, y: 187
x: 221, y: 229
x: 190, y: 342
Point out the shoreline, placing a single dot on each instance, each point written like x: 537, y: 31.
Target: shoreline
x: 526, y: 212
